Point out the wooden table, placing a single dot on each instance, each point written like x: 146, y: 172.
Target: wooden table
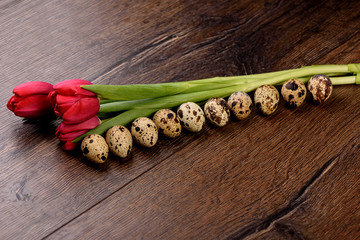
x: 291, y: 175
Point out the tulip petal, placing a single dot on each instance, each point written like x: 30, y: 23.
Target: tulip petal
x: 81, y: 110
x: 52, y: 98
x: 61, y: 99
x: 72, y: 87
x: 86, y: 125
x: 69, y: 146
x: 12, y: 103
x: 70, y: 136
x: 33, y: 107
x: 63, y: 103
x: 32, y: 88
x: 59, y: 109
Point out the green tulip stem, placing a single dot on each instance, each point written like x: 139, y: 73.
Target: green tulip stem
x: 142, y: 100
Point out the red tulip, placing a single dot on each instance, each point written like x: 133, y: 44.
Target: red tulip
x: 68, y: 132
x: 73, y: 103
x: 78, y: 109
x: 30, y: 100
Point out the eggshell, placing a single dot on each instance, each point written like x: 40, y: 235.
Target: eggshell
x: 144, y: 131
x: 94, y: 148
x: 320, y: 88
x: 240, y: 104
x: 167, y: 122
x: 191, y: 116
x: 119, y: 140
x: 217, y: 111
x: 266, y: 99
x: 293, y: 92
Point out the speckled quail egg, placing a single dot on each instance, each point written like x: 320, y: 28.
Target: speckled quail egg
x: 191, y: 116
x: 94, y: 148
x: 167, y: 123
x: 240, y: 104
x: 266, y: 99
x: 320, y: 88
x: 119, y: 140
x: 217, y: 111
x: 144, y: 131
x: 293, y: 92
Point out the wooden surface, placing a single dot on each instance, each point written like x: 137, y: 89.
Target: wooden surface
x: 292, y: 175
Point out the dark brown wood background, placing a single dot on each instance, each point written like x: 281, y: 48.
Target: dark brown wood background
x: 292, y: 175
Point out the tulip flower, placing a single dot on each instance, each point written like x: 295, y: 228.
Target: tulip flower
x: 78, y: 109
x: 30, y: 100
x: 73, y: 103
x: 68, y: 132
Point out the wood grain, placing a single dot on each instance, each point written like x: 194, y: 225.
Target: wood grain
x: 237, y: 185
x: 329, y: 208
x: 259, y: 178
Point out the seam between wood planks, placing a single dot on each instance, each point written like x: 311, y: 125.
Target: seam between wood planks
x: 297, y: 201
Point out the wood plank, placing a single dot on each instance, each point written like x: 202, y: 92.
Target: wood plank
x: 267, y: 40
x: 250, y: 174
x: 329, y: 208
x: 43, y: 188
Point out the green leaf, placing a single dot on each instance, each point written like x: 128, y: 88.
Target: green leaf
x: 108, y: 93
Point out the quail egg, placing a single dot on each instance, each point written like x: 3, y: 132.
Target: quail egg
x: 217, y: 111
x: 167, y: 123
x: 293, y: 92
x: 144, y: 131
x: 119, y: 140
x: 320, y: 88
x: 266, y: 99
x: 94, y: 148
x: 191, y: 116
x: 240, y: 104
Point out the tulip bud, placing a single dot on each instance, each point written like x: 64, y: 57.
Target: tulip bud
x: 30, y: 100
x: 68, y: 132
x: 73, y: 103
